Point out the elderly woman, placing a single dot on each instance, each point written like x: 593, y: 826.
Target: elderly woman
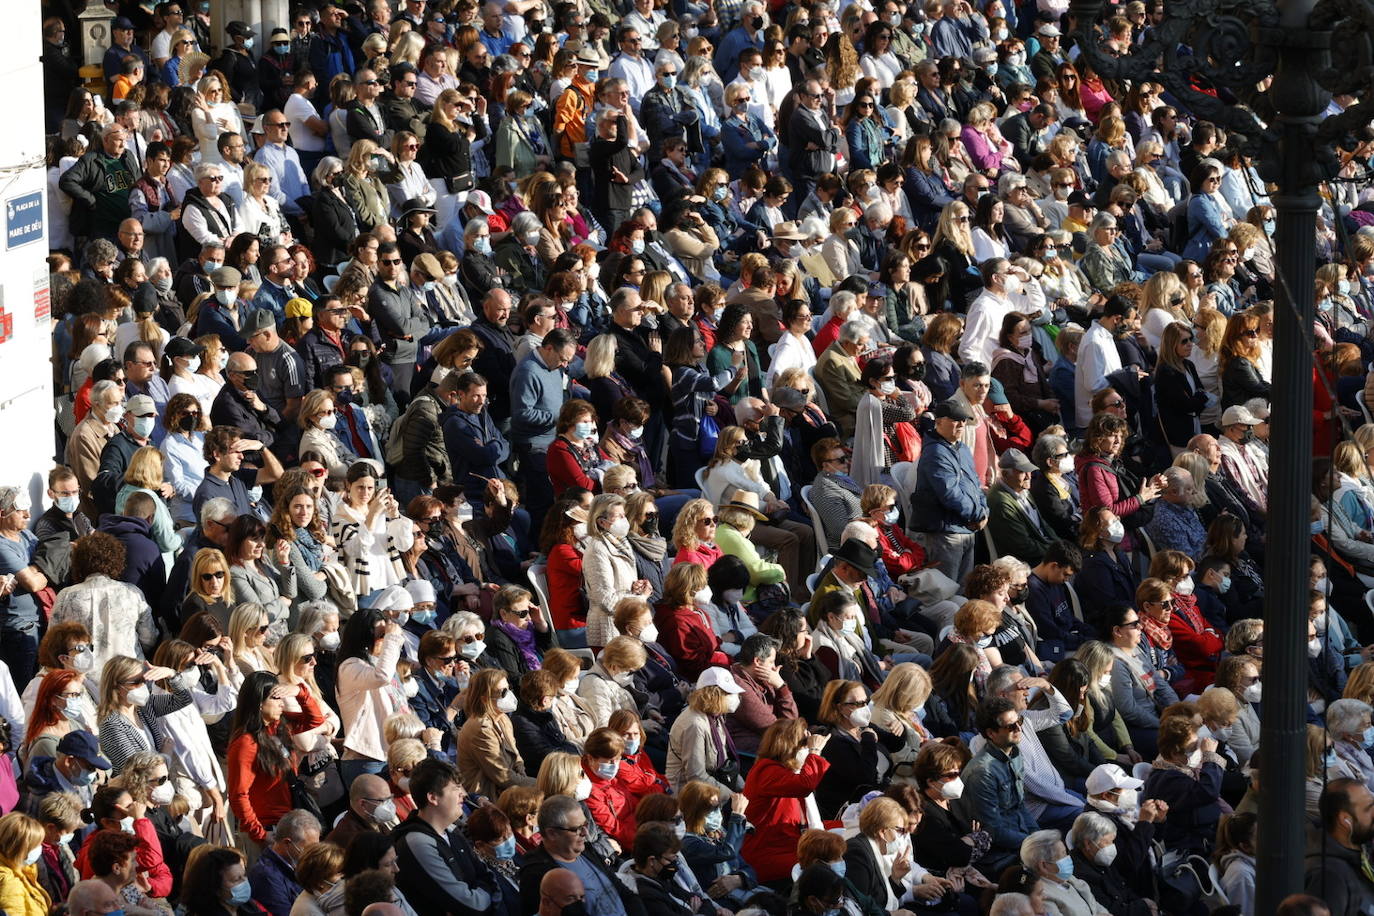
x: 1187, y: 775
x: 1092, y: 844
x: 1044, y: 855
x: 605, y: 687
x: 1105, y: 264
x: 1348, y: 723
x: 364, y: 172
x: 699, y: 745
x: 859, y: 755
x: 1053, y: 492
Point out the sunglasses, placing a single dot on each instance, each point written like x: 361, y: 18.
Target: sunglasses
x: 217, y: 574
x: 263, y: 628
x: 308, y: 658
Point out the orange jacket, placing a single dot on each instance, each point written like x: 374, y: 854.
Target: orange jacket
x: 570, y: 115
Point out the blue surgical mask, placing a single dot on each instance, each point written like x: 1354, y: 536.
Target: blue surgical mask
x: 1065, y: 867
x: 482, y: 244
x: 424, y: 618
x: 281, y: 48
x: 608, y: 770
x: 715, y: 820
x: 1343, y: 287
x: 506, y: 848
x: 632, y: 746
x: 720, y: 192
x: 241, y: 893
x: 1331, y: 760
x: 667, y: 80
x: 1367, y: 739
x: 586, y: 429
x: 593, y: 75
x: 247, y: 46
x: 68, y: 503
x: 1225, y: 585
x: 991, y: 69
x: 1318, y: 527
x: 637, y: 246
x: 1270, y: 226
x: 838, y: 868
x: 143, y: 426
x: 212, y: 266
x: 84, y: 778
x: 429, y: 286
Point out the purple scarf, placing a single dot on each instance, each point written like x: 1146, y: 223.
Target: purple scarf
x: 524, y: 641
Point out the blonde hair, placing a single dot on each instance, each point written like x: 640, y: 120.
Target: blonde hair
x: 401, y: 725
x: 906, y: 688
x: 623, y: 653
x: 245, y: 617
x: 685, y: 526
x: 136, y: 776
x: 253, y: 170
x: 61, y: 809
x: 19, y: 834
x: 145, y: 468
x: 952, y: 231
x: 117, y: 670
x: 315, y: 403
x: 559, y: 774
x: 358, y: 155
x: 293, y: 648
x: 405, y: 752
x: 880, y: 814
x: 600, y: 359
x: 209, y: 559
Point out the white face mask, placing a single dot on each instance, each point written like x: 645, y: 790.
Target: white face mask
x: 619, y: 528
x: 702, y: 598
x: 1066, y: 465
x: 1106, y: 855
x: 953, y: 789
x: 139, y: 695
x: 583, y: 790
x: 649, y: 633
x: 507, y: 702
x: 887, y: 387
x: 731, y: 702
x: 568, y: 689
x: 411, y: 687
x: 1105, y: 681
x: 1195, y: 759
x: 1116, y: 532
x: 1253, y: 693
x: 329, y: 641
x: 162, y: 794
x: 861, y: 716
x: 328, y: 421
x: 1184, y: 586
x: 1314, y: 647
x: 385, y: 812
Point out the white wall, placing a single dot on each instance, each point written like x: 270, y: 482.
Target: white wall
x: 26, y: 405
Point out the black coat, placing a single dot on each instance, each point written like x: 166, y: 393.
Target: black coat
x: 448, y: 153
x: 1241, y: 381
x: 537, y: 735
x: 507, y: 654
x: 1109, y: 887
x: 938, y: 844
x: 335, y: 226
x: 853, y: 768
x: 1180, y: 400
x: 867, y: 876
x: 539, y: 863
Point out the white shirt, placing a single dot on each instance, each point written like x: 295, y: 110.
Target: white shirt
x: 790, y: 352
x: 1097, y: 358
x: 298, y: 110
x: 985, y: 316
x: 637, y: 73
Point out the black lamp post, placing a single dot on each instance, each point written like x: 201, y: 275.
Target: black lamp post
x: 1234, y: 45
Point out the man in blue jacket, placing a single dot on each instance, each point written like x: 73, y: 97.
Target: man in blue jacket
x: 476, y: 448
x: 273, y: 876
x: 948, y: 505
x: 994, y: 792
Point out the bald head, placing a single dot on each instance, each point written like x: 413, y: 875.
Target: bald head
x: 367, y: 792
x: 559, y: 888
x: 242, y: 362
x: 383, y: 909
x: 94, y: 898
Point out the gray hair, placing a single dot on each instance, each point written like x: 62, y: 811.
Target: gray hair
x: 1010, y: 181
x: 1103, y: 220
x: 524, y: 221
x: 843, y: 303
x: 463, y: 622
x: 1090, y: 827
x: 555, y: 810
x: 1012, y: 565
x: 216, y: 510
x: 100, y: 389
x: 156, y: 264
x: 1011, y: 905
x: 295, y: 825
x: 98, y: 251
x: 853, y: 331
x: 313, y: 615
x: 208, y: 170
x: 1345, y: 717
x: 1118, y: 157
x: 749, y: 409
x: 1045, y: 447
x: 607, y: 114
x: 1040, y: 847
x: 1002, y: 679
x: 974, y: 369
x: 859, y: 529
x: 1175, y: 477
x: 664, y: 58
x: 755, y: 647
x: 471, y: 226
x: 326, y: 165
x: 879, y: 210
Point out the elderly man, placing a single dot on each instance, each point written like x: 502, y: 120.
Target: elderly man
x: 814, y: 137
x: 764, y: 697
x: 1175, y: 524
x: 136, y: 431
x: 1021, y: 215
x: 837, y: 372
x: 273, y: 876
x: 1223, y: 495
x: 1028, y: 132
x: 141, y: 377
x: 238, y: 403
x: 89, y: 437
x: 400, y: 316
x: 129, y: 242
x: 563, y: 828
x: 1016, y: 526
x: 975, y: 383
x: 206, y: 214
x: 748, y: 33
x: 1243, y: 462
x: 948, y: 504
x: 99, y: 185
x: 370, y: 810
x: 560, y: 889
x: 94, y: 897
x: 496, y: 360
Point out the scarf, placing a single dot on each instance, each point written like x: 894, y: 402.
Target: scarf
x: 311, y: 549
x: 1132, y: 661
x: 650, y: 547
x: 1029, y: 374
x: 1158, y: 633
x: 524, y: 641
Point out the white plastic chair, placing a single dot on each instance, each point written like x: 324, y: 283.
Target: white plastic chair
x: 539, y: 581
x: 822, y: 545
x: 904, y: 475
x: 700, y: 477
x: 1142, y: 770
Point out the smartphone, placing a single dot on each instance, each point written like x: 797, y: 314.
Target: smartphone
x: 99, y: 102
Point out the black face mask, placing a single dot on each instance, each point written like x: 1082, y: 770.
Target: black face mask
x: 360, y: 358
x: 668, y: 873
x: 756, y: 23
x: 917, y: 372
x: 188, y: 423
x: 250, y: 380
x: 576, y: 908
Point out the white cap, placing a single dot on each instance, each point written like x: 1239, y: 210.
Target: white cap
x: 1237, y: 413
x: 718, y: 677
x: 393, y: 598
x: 420, y: 591
x: 1049, y: 30
x: 1109, y: 777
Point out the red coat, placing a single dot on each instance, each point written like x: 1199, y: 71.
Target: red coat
x: 565, y: 588
x: 901, y: 554
x: 1196, y: 644
x: 687, y: 635
x: 776, y: 810
x: 612, y: 806
x: 564, y: 469
x: 703, y: 555
x: 639, y: 777
x: 257, y: 798
x: 148, y: 855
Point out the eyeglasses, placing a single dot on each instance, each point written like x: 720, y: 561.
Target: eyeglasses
x: 370, y: 83
x: 217, y: 574
x: 710, y: 521
x: 390, y: 261
x: 522, y: 613
x: 1251, y: 333
x: 1012, y: 726
x: 580, y: 830
x: 215, y: 179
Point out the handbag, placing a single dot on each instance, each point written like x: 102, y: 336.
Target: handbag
x: 727, y: 774
x: 707, y: 434
x: 301, y: 797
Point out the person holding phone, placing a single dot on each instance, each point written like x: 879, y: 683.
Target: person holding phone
x: 370, y: 532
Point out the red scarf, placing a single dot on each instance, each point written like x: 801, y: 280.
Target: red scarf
x: 1157, y: 633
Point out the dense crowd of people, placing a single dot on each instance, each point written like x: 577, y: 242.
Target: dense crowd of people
x: 609, y: 459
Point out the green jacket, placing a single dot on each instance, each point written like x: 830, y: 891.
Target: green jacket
x: 1013, y: 531
x: 761, y: 572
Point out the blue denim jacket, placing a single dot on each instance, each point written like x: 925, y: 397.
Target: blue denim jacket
x: 995, y: 795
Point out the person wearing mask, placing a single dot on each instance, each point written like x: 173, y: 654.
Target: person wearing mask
x: 563, y: 827
x: 1044, y: 855
x: 370, y: 810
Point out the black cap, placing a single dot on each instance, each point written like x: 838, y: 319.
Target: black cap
x: 239, y: 29
x: 952, y: 410
x: 1079, y: 199
x: 181, y: 346
x: 122, y: 23
x: 859, y: 555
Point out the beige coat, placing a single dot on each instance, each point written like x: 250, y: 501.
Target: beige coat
x: 488, y: 762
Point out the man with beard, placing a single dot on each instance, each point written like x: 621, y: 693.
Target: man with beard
x: 1336, y: 865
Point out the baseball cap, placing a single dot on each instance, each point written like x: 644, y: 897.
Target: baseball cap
x: 140, y: 405
x: 953, y: 410
x: 1108, y: 777
x: 82, y: 745
x: 1239, y: 413
x: 181, y: 346
x: 122, y: 23
x: 482, y: 201
x: 718, y: 677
